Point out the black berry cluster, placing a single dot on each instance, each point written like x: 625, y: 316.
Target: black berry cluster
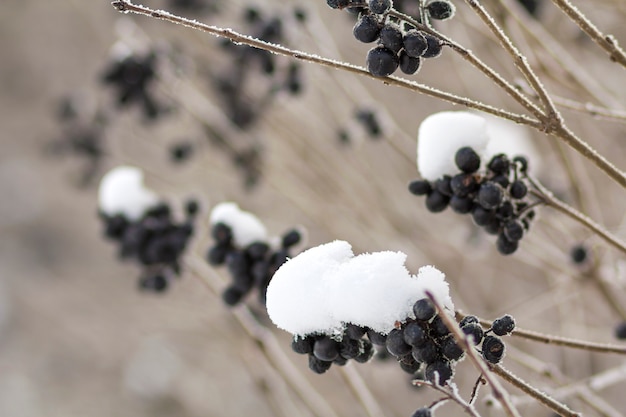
x: 132, y: 78
x: 155, y: 241
x: 496, y: 200
x: 400, y: 44
x: 250, y: 267
x: 491, y: 345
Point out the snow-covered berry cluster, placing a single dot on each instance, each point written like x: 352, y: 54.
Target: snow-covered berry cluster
x: 495, y: 196
x: 242, y: 244
x: 143, y: 226
x: 400, y: 44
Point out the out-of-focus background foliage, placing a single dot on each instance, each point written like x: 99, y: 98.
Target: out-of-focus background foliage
x: 78, y: 338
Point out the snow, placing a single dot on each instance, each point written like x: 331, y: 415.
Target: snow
x: 511, y: 139
x: 122, y: 191
x: 325, y: 287
x: 439, y: 137
x: 246, y: 227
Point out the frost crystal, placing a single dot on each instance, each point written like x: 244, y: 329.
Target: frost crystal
x: 246, y: 227
x: 441, y: 135
x: 122, y: 191
x: 326, y: 287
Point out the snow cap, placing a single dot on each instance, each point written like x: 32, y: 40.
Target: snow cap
x: 325, y: 287
x: 122, y: 191
x: 245, y: 226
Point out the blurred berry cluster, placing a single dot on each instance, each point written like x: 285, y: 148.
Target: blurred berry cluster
x: 155, y: 241
x: 496, y: 199
x: 249, y: 267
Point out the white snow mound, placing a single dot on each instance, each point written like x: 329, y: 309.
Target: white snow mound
x: 246, y: 227
x: 439, y: 137
x: 122, y: 191
x: 325, y: 287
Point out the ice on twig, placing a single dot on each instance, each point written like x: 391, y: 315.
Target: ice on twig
x: 122, y: 191
x: 246, y: 227
x: 325, y: 287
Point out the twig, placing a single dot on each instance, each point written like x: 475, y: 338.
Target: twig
x: 498, y: 391
x: 359, y: 389
x: 542, y: 397
x: 606, y: 42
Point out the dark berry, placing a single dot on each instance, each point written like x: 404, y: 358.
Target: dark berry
x: 391, y: 37
x: 354, y: 332
x: 367, y: 28
x: 181, y: 152
x: 499, y: 164
x: 513, y: 230
x: 408, y: 64
x: 522, y: 163
x: 578, y: 254
x: 494, y: 226
x: 376, y: 338
x: 367, y: 352
x: 408, y: 364
x: 490, y: 195
x: 434, y: 46
x: 420, y: 187
x: 503, y: 326
x: 443, y: 185
x: 337, y: 4
x: 381, y: 61
x: 463, y: 184
x: 505, y: 246
x: 620, y: 331
x: 467, y: 160
x: 422, y: 412
x: 340, y: 361
x: 326, y: 349
x: 217, y: 254
x: 222, y: 233
x: 424, y: 309
x: 438, y: 372
x: 437, y: 202
x: 349, y: 348
x: 506, y: 210
x: 440, y: 9
x: 232, y: 295
x: 414, y: 335
x: 518, y: 189
x: 191, y: 208
x: 438, y: 327
x: 319, y: 366
x: 461, y: 205
x: 291, y: 238
x: 395, y: 343
x: 473, y: 329
x: 379, y: 6
x: 467, y: 320
x: 502, y: 179
x: 414, y: 43
x: 427, y: 353
x: 302, y: 345
x: 493, y: 349
x: 481, y: 216
x: 257, y: 250
x: 451, y: 349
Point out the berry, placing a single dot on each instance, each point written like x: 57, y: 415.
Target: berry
x: 451, y: 349
x: 467, y: 320
x: 620, y: 331
x: 354, y: 332
x: 222, y: 233
x: 493, y: 349
x: 443, y: 185
x: 340, y: 361
x: 578, y: 254
x: 302, y: 345
x: 463, y: 184
x: 503, y: 326
x: 506, y: 210
x: 513, y: 230
x: 381, y: 61
x: 474, y: 329
x: 461, y: 205
x: 217, y: 255
x: 180, y: 152
x: 408, y: 64
x: 424, y: 309
x: 191, y: 208
x: 257, y: 250
x: 438, y: 372
x: 414, y: 335
x: 396, y: 344
x: 466, y: 159
x: 490, y: 195
x: 505, y: 246
x: 318, y: 366
x: 391, y: 37
x: 434, y: 46
x: 437, y: 202
x: 518, y: 189
x: 521, y: 162
x: 379, y: 6
x: 376, y: 338
x: 337, y: 4
x: 499, y: 164
x: 440, y: 9
x: 232, y: 295
x: 494, y: 226
x: 367, y: 352
x: 420, y: 187
x: 349, y: 348
x: 502, y: 179
x: 481, y: 216
x: 409, y: 365
x: 428, y: 353
x: 422, y: 412
x: 414, y: 43
x: 438, y: 327
x: 367, y: 28
x: 326, y: 349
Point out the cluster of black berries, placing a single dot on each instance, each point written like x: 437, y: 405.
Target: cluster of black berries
x: 369, y: 121
x: 400, y: 44
x: 250, y: 267
x: 156, y: 241
x: 132, y: 77
x: 496, y: 200
x: 491, y: 345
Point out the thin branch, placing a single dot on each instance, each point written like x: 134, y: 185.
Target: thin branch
x: 540, y: 396
x: 498, y: 391
x: 126, y: 6
x: 606, y: 42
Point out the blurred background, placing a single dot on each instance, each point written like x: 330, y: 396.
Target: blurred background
x: 331, y: 152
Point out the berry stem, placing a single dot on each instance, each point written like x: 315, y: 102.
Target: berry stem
x: 462, y: 339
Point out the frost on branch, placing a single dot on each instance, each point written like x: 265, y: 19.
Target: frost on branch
x: 246, y: 227
x: 326, y: 287
x: 122, y: 192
